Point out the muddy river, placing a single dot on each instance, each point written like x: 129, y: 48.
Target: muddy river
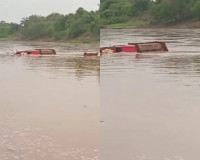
x: 150, y: 104
x: 49, y: 105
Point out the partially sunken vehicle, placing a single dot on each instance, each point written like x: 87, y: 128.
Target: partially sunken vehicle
x: 37, y: 52
x: 155, y: 46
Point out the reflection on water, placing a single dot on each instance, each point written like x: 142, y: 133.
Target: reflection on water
x: 49, y: 105
x: 78, y: 66
x: 150, y: 102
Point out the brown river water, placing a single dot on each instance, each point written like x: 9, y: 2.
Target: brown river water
x: 150, y: 104
x: 49, y: 105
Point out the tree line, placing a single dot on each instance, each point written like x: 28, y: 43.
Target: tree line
x: 158, y: 11
x: 54, y: 26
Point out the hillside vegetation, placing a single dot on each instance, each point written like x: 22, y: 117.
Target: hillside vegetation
x: 145, y: 12
x: 82, y: 25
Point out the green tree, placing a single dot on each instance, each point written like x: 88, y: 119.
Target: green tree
x: 196, y: 9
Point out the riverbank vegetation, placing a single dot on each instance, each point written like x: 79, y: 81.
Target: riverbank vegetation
x: 81, y: 26
x: 139, y: 13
